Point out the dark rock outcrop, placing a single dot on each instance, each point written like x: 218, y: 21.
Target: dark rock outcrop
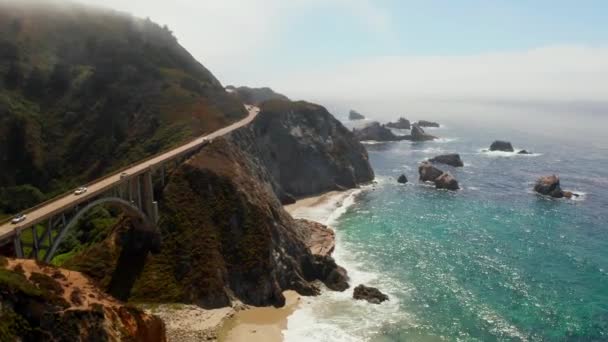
x: 549, y: 186
x: 418, y: 134
x: 43, y: 303
x: 402, y: 179
x: 255, y: 96
x: 446, y: 181
x: 424, y: 123
x: 354, y: 115
x: 524, y: 152
x: 452, y: 159
x: 442, y: 180
x: 370, y: 294
x: 376, y: 132
x: 402, y: 123
x: 500, y: 145
x: 305, y: 150
x: 428, y: 173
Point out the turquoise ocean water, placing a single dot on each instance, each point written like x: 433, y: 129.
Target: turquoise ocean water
x: 491, y: 262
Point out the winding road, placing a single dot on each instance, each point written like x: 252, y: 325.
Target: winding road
x: 57, y: 205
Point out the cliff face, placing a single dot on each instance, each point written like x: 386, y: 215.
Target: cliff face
x: 43, y: 303
x: 225, y: 234
x: 305, y: 150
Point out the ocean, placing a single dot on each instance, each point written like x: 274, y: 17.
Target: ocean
x: 491, y: 262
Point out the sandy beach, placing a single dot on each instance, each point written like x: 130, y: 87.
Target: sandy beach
x: 260, y: 323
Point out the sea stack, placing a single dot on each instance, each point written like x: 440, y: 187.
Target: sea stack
x: 370, y: 294
x: 402, y: 123
x: 442, y: 180
x: 402, y: 179
x: 424, y: 123
x: 501, y: 145
x: 550, y: 186
x: 452, y: 159
x: 418, y: 134
x: 354, y: 115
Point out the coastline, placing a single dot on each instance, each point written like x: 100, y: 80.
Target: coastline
x: 242, y: 323
x: 269, y: 323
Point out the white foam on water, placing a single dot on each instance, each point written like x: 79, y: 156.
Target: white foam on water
x: 336, y: 316
x: 495, y: 154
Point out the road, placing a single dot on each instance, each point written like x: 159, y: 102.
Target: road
x: 41, y: 213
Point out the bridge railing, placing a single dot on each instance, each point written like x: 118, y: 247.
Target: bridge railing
x: 114, y: 173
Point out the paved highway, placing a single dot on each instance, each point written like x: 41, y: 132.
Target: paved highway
x: 60, y: 204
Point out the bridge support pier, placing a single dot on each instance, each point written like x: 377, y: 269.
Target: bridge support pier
x: 17, y: 243
x: 147, y: 194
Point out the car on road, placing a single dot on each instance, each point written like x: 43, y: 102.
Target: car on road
x: 18, y: 218
x: 124, y: 175
x: 80, y: 191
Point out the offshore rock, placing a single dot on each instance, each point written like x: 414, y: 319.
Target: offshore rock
x: 446, y: 181
x: 354, y: 115
x: 500, y: 145
x: 370, y: 294
x: 418, y: 134
x: 374, y: 131
x: 428, y: 173
x: 549, y: 186
x: 402, y: 123
x: 424, y: 123
x: 448, y: 159
x: 402, y: 179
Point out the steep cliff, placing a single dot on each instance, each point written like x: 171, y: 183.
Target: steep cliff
x: 43, y: 303
x: 305, y: 150
x: 225, y: 234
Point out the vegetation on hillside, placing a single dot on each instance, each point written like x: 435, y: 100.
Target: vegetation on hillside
x: 84, y: 91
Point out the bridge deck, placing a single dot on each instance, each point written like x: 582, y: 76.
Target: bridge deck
x: 60, y: 204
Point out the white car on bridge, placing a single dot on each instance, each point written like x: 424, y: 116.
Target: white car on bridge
x: 80, y: 191
x: 18, y: 218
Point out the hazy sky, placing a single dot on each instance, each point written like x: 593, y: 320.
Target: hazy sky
x: 386, y: 54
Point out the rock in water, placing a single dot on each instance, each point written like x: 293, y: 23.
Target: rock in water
x: 354, y: 115
x: 428, y: 173
x: 370, y: 294
x: 549, y: 186
x: 402, y: 179
x: 376, y: 132
x: 446, y: 181
x: 424, y: 123
x: 402, y: 123
x: 418, y: 134
x: 524, y: 152
x: 500, y: 145
x: 449, y: 159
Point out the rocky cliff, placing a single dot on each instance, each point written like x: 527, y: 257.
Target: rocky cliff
x: 305, y: 150
x: 225, y: 234
x: 43, y: 303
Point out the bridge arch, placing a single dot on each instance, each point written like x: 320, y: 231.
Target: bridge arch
x: 138, y: 217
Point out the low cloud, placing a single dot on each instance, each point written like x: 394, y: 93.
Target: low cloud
x: 550, y: 74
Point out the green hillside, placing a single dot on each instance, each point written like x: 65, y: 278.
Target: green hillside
x: 84, y: 91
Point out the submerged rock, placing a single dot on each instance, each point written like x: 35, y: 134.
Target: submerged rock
x: 402, y: 123
x: 354, y: 115
x: 446, y: 181
x: 452, y: 159
x: 428, y: 173
x: 370, y: 294
x: 524, y: 152
x: 549, y: 186
x: 424, y: 123
x: 500, y: 145
x: 402, y: 179
x: 418, y: 134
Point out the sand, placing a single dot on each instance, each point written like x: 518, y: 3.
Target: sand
x: 260, y: 323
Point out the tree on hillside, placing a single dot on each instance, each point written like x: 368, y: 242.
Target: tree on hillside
x: 35, y: 84
x: 14, y: 76
x: 59, y: 80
